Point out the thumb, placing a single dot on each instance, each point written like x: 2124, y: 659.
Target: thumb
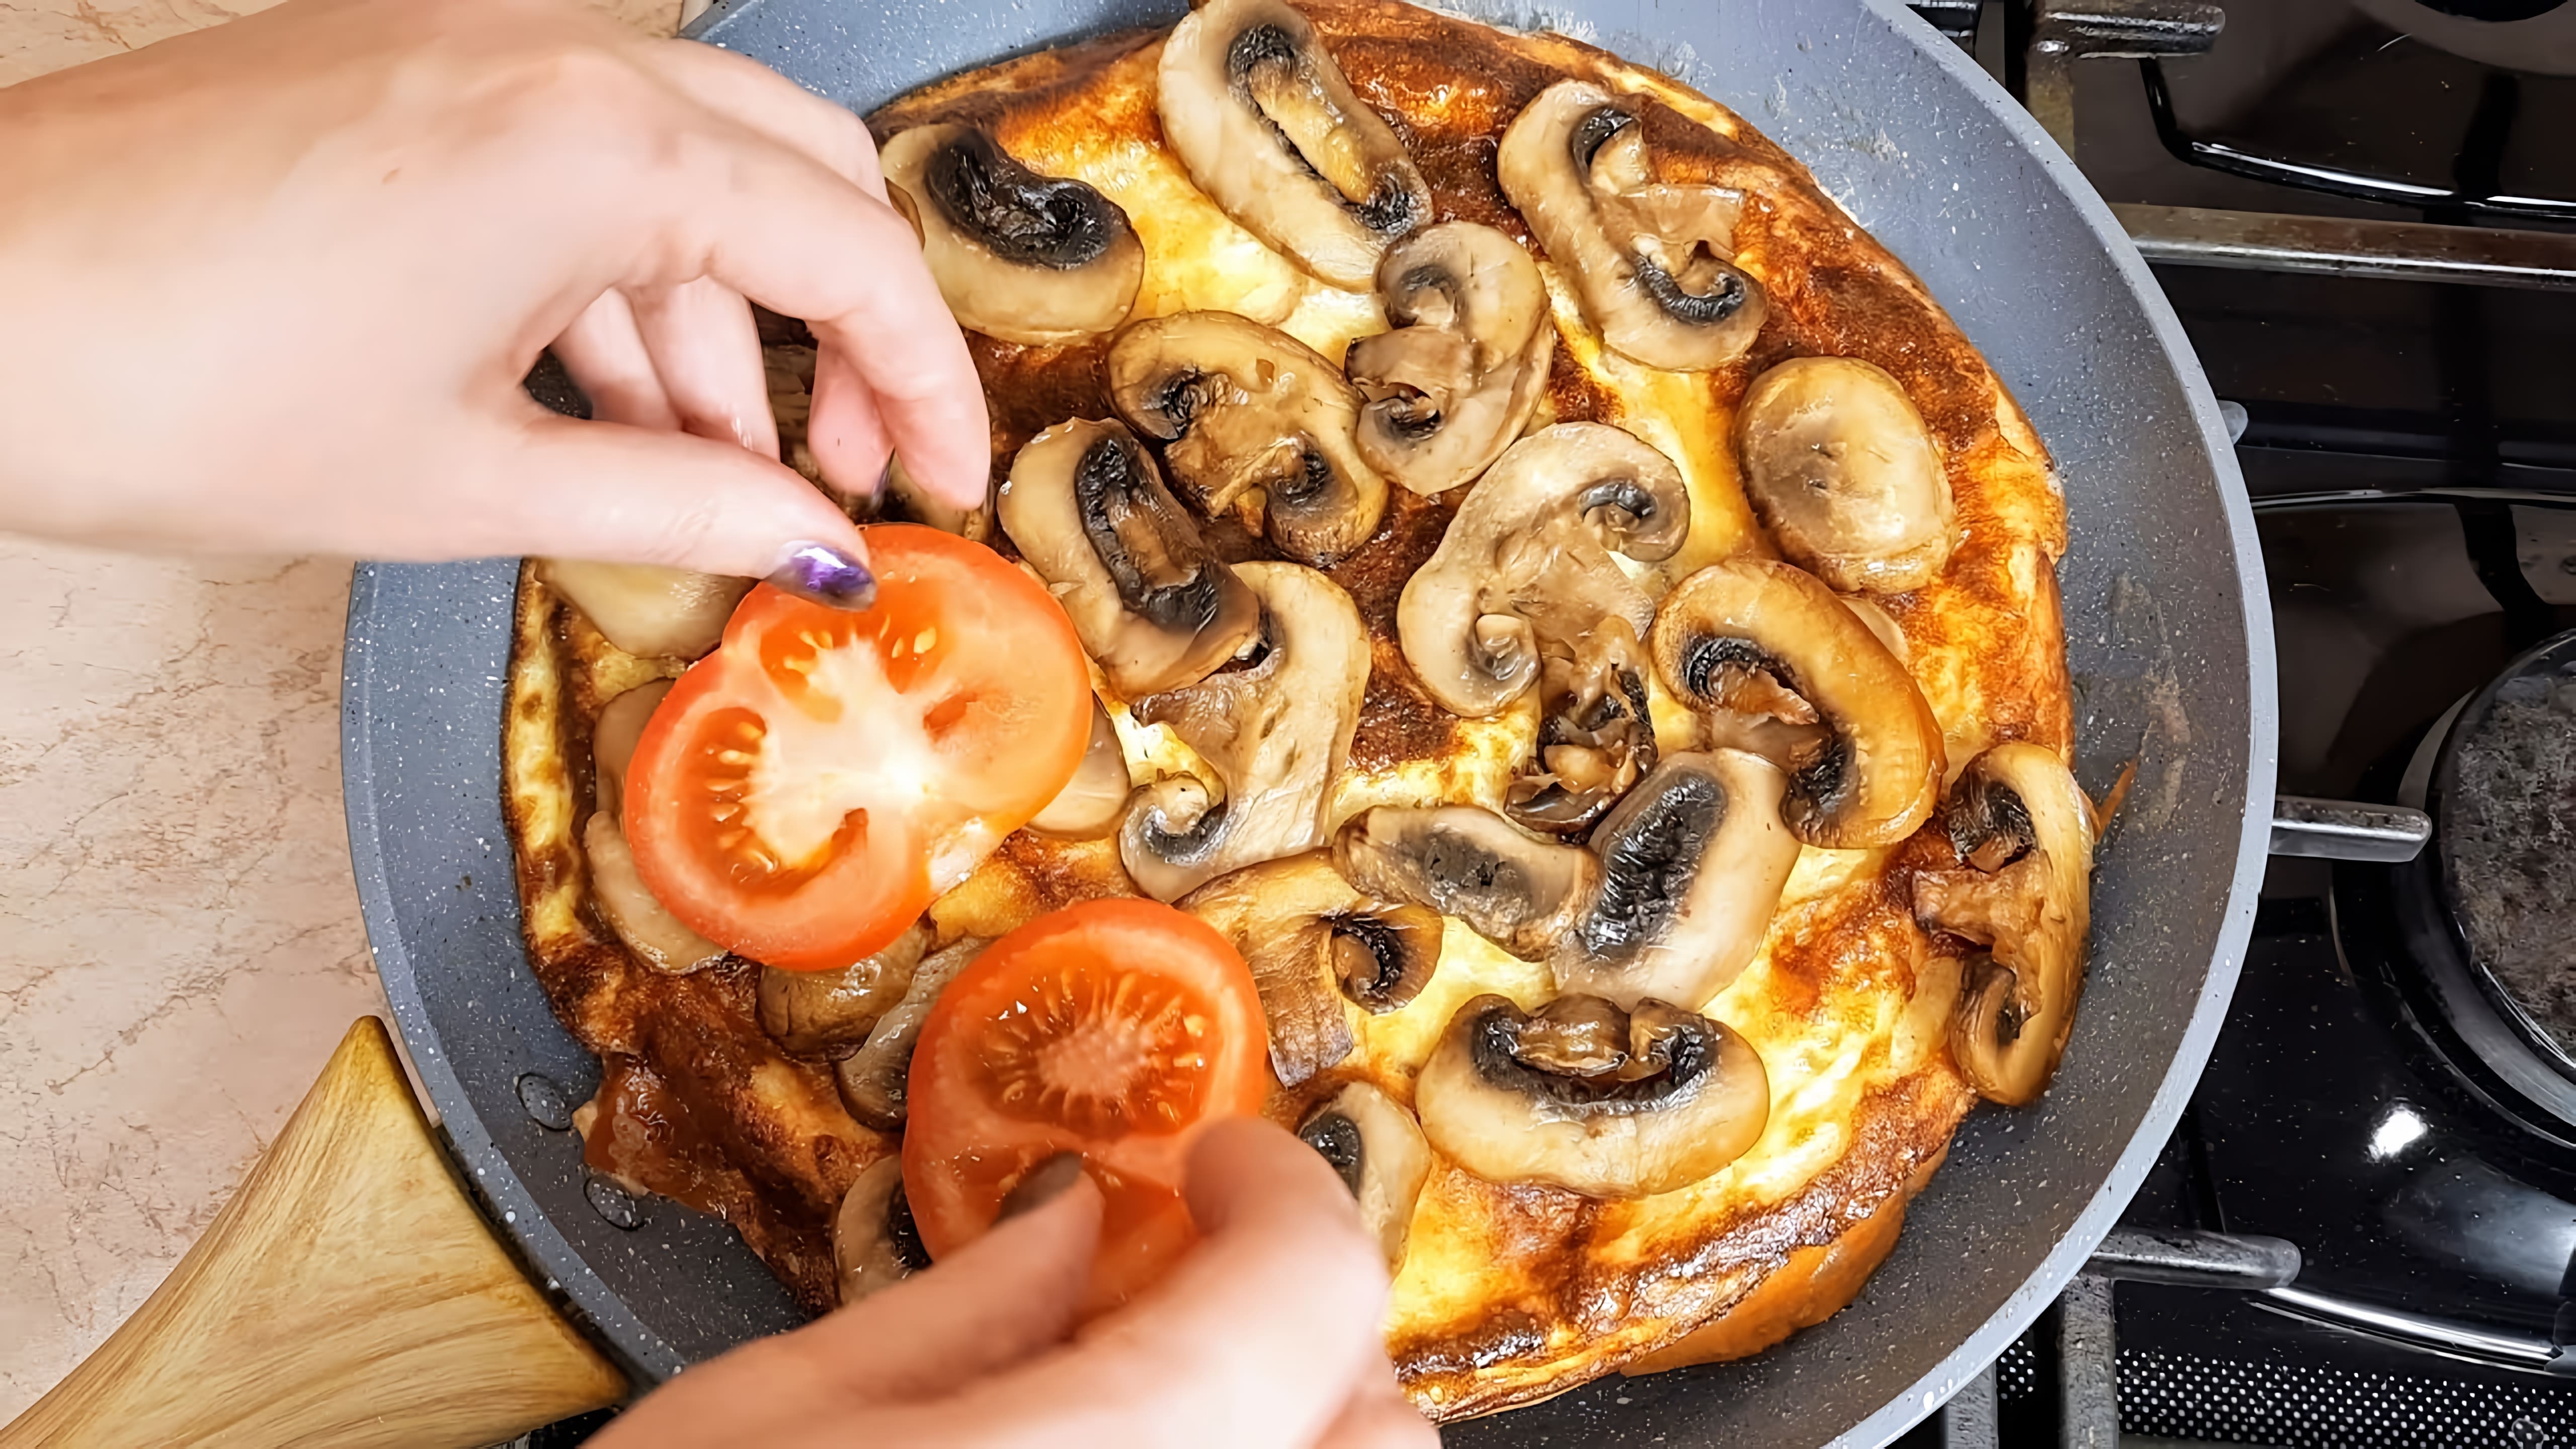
x: 613, y: 493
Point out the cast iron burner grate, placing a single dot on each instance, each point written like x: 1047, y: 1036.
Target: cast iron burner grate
x: 2208, y: 1400
x: 2179, y: 1396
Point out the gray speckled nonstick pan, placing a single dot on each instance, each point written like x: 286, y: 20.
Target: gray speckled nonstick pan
x: 2165, y: 618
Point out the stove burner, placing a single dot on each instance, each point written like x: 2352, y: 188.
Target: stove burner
x: 2505, y: 807
x: 2479, y: 934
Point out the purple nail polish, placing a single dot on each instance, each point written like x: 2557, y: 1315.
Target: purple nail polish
x: 824, y: 574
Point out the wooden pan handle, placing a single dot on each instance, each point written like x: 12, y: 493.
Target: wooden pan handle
x: 349, y: 1294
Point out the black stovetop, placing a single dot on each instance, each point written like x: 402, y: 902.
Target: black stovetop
x: 2410, y: 451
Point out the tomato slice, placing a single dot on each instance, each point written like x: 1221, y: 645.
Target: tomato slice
x: 806, y: 790
x: 1114, y: 1028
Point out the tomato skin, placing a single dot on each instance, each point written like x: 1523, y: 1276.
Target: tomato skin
x: 804, y: 792
x: 1078, y: 985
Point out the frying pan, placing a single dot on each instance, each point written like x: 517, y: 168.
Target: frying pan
x: 2168, y: 632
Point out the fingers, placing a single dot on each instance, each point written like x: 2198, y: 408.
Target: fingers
x: 781, y: 228
x: 1257, y: 1339
x: 604, y: 351
x: 552, y: 485
x: 706, y: 350
x: 756, y: 96
x: 1009, y: 1294
x: 843, y: 429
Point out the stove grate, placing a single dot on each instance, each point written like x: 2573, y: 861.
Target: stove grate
x: 2297, y: 1406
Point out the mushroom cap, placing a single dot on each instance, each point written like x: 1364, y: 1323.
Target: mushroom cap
x: 873, y: 1080
x: 645, y: 609
x: 658, y: 938
x: 1462, y: 372
x: 1692, y: 865
x: 1268, y: 127
x: 1652, y: 262
x: 1519, y: 892
x: 2023, y: 827
x: 613, y: 739
x: 1380, y: 1153
x: 1152, y: 604
x: 816, y: 1012
x: 1019, y: 256
x: 1093, y: 802
x: 1526, y: 561
x: 1275, y: 732
x: 1314, y: 943
x: 1757, y: 644
x: 1241, y: 406
x: 1845, y: 475
x: 874, y: 1242
x: 1587, y: 1097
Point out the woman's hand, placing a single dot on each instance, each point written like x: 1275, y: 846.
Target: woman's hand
x: 1266, y: 1337
x: 273, y: 286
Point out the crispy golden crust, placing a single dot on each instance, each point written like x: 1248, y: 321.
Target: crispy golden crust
x: 1512, y: 1292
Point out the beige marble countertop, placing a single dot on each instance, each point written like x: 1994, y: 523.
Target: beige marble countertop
x: 180, y: 946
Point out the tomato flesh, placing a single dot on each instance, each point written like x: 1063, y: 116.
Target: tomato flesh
x: 804, y: 792
x: 1113, y: 1028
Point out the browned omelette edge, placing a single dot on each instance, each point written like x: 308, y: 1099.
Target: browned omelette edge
x: 761, y: 1139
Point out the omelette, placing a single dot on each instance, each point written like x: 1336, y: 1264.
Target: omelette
x: 1598, y: 656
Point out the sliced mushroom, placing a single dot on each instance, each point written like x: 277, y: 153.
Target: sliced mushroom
x: 1378, y: 1149
x: 1778, y: 665
x: 1274, y: 731
x: 1584, y: 1096
x: 1845, y: 475
x: 1527, y: 561
x: 1671, y: 900
x: 816, y: 1012
x: 1652, y: 262
x: 1595, y: 736
x: 1242, y: 406
x: 644, y: 609
x: 1269, y: 129
x: 1093, y: 802
x: 874, y: 1242
x: 612, y: 741
x: 1882, y: 624
x: 1519, y: 893
x: 1692, y: 866
x: 2025, y: 831
x: 1313, y: 943
x: 646, y: 925
x: 871, y: 1079
x: 1018, y: 256
x: 1458, y: 378
x: 1088, y: 510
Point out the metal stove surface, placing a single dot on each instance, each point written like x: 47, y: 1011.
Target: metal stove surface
x: 2410, y: 445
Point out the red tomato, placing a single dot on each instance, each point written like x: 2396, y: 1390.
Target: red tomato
x: 1114, y: 1028
x: 806, y: 790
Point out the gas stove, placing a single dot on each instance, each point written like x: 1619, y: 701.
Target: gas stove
x: 2364, y: 1232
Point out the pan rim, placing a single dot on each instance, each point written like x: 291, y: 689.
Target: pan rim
x: 555, y: 1262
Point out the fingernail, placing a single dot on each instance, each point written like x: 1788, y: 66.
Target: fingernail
x: 1045, y: 1183
x: 827, y: 576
